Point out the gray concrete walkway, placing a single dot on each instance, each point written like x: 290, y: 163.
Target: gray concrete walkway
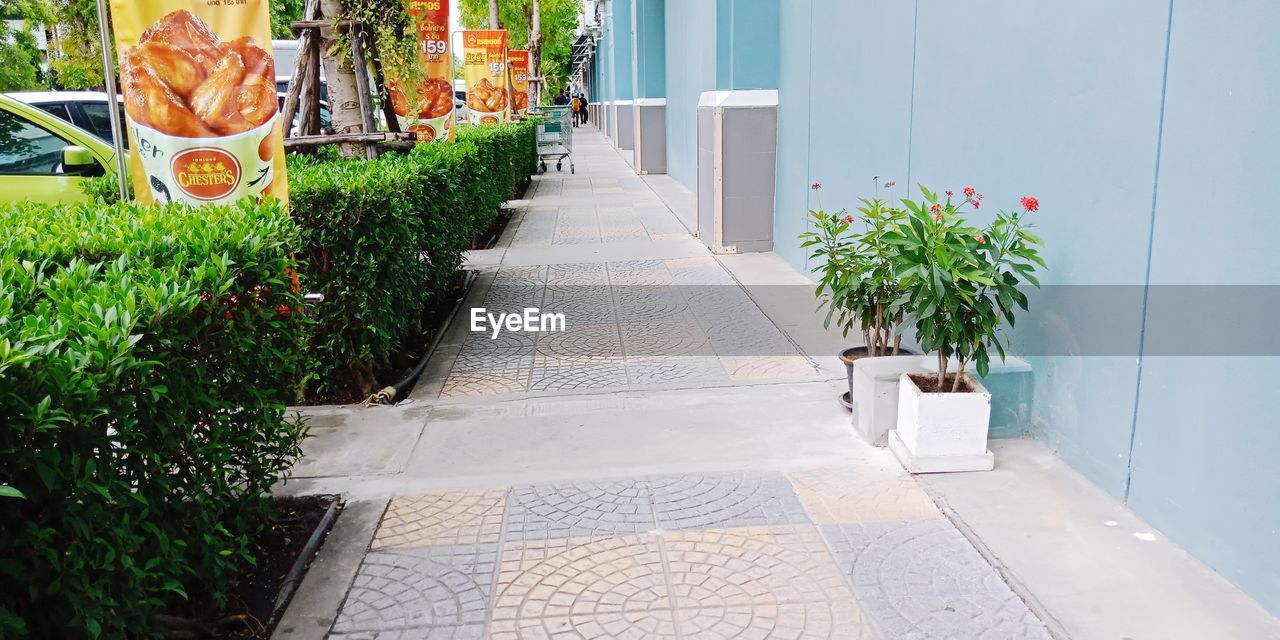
x: 673, y: 465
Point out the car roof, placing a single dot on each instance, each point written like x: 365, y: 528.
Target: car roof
x: 42, y: 97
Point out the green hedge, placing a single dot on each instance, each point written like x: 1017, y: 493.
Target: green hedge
x: 381, y: 237
x: 147, y: 355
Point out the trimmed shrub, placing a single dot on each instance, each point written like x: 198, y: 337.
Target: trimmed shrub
x: 382, y: 237
x: 147, y: 355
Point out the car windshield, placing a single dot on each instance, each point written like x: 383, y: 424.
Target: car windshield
x: 99, y: 120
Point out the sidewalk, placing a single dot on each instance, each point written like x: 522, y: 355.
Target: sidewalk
x: 671, y: 465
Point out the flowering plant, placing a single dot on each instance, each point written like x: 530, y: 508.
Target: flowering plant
x: 961, y: 281
x: 858, y: 282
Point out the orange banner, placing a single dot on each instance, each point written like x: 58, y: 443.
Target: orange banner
x: 199, y: 86
x: 430, y: 115
x: 484, y: 65
x: 519, y: 64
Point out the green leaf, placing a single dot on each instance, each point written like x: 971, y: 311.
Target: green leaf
x: 7, y: 491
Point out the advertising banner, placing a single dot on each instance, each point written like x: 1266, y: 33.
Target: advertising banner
x: 430, y: 112
x: 201, y: 110
x: 484, y: 65
x: 518, y: 59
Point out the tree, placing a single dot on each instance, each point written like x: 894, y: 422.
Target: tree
x: 75, y: 53
x: 548, y: 39
x: 284, y: 12
x: 21, y: 70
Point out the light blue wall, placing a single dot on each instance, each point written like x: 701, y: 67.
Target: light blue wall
x: 1065, y: 101
x: 747, y: 44
x: 691, y: 69
x: 620, y: 47
x: 650, y: 49
x: 1204, y: 459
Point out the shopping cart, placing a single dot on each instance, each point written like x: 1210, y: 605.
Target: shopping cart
x: 555, y: 135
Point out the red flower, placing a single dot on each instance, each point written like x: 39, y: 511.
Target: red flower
x: 815, y: 186
x: 976, y: 204
x: 889, y: 184
x: 948, y: 194
x: 969, y: 191
x: 848, y: 219
x: 981, y: 239
x: 980, y: 196
x: 227, y: 315
x: 1030, y: 203
x: 283, y: 311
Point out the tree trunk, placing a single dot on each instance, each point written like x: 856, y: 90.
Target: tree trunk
x: 494, y: 21
x: 340, y: 76
x: 535, y: 54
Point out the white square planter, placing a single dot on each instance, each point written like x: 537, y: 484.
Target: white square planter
x: 939, y: 432
x: 875, y: 394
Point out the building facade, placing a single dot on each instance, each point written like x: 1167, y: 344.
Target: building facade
x: 1147, y: 130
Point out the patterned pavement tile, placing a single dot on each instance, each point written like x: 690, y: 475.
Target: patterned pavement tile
x: 751, y: 566
x: 920, y: 580
x: 742, y: 499
x: 639, y: 304
x: 583, y: 375
x: 436, y: 587
x: 527, y: 276
x: 581, y: 343
x: 448, y: 518
x: 852, y: 495
x: 540, y: 579
x: 673, y: 370
x: 836, y: 620
x: 483, y: 383
x: 579, y: 510
x: 767, y: 367
x: 667, y: 338
x: 461, y: 632
x: 580, y: 274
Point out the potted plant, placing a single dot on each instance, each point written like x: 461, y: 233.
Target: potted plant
x: 961, y: 283
x: 858, y: 284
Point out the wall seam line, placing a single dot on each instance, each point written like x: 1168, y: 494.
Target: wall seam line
x: 808, y: 129
x: 1151, y: 237
x: 911, y: 107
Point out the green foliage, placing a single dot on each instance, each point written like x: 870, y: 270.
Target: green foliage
x: 104, y: 188
x: 858, y: 283
x: 146, y: 359
x: 21, y: 69
x: 961, y: 282
x: 381, y: 237
x: 284, y: 12
x: 75, y: 56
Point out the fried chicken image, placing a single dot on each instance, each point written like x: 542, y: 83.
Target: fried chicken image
x: 435, y: 98
x: 182, y: 81
x: 486, y: 97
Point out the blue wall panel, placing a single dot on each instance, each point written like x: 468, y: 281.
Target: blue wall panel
x: 691, y: 70
x: 1204, y: 468
x: 650, y: 54
x: 621, y: 45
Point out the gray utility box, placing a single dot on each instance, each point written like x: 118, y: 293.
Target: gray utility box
x: 624, y: 117
x: 603, y: 120
x: 651, y: 135
x: 737, y: 153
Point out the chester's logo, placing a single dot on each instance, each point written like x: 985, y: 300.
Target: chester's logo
x: 206, y: 173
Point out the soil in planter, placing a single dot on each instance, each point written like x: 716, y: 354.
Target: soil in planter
x: 250, y: 605
x: 929, y: 383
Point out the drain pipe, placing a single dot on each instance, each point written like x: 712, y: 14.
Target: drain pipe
x: 389, y: 394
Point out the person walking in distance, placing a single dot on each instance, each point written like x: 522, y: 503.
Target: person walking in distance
x: 576, y: 104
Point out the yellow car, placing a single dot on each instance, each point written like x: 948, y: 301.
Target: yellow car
x: 45, y: 159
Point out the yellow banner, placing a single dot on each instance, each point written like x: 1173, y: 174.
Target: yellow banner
x: 518, y: 59
x: 200, y: 100
x: 484, y: 65
x: 431, y: 114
